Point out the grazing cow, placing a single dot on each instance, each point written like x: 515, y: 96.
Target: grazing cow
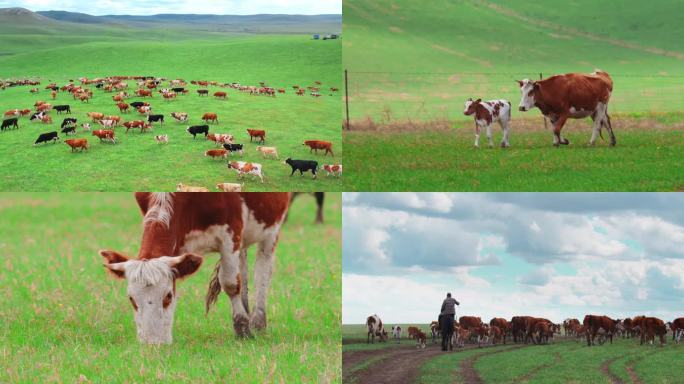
x: 487, y: 112
x: 233, y: 148
x: 12, y: 112
x: 216, y: 153
x: 230, y: 187
x: 572, y: 95
x: 53, y: 94
x: 143, y: 93
x: 69, y: 129
x: 396, y: 333
x: 162, y: 139
x: 375, y: 328
x: 196, y: 129
x: 179, y: 228
x: 650, y: 327
x: 105, y: 134
x: 302, y: 166
x: 169, y: 95
x: 501, y: 324
x: 315, y: 145
x: 123, y: 107
x: 259, y: 133
x: 207, y: 117
x: 144, y: 110
x: 243, y: 168
x: 180, y: 116
x: 77, y: 143
x: 48, y: 136
x: 62, y: 108
x: 46, y: 119
x: 332, y: 169
x: 138, y: 104
x: 301, y: 92
x: 189, y: 188
x: 267, y: 151
x: 203, y: 92
x: 677, y: 327
x: 13, y: 122
x: 220, y: 95
x: 95, y: 116
x: 594, y: 322
x: 152, y: 118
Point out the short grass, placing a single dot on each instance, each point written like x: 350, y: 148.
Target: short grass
x: 137, y: 162
x: 445, y: 160
x: 63, y: 319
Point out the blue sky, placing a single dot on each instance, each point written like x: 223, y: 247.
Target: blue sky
x: 149, y: 7
x: 504, y: 254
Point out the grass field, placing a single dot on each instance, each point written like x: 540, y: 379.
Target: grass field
x: 63, y: 319
x: 562, y: 361
x: 412, y: 66
x: 137, y: 162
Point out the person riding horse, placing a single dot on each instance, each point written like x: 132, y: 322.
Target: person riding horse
x: 446, y: 319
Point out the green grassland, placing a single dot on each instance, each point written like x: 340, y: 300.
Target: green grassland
x: 63, y: 319
x: 411, y: 67
x: 136, y: 162
x: 562, y: 361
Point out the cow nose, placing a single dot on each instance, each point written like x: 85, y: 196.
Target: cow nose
x: 521, y: 109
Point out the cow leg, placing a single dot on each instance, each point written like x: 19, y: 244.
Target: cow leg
x: 489, y: 135
x: 558, y: 125
x: 477, y: 135
x: 244, y: 279
x: 504, y: 141
x: 262, y: 280
x: 598, y: 119
x: 229, y: 278
x: 609, y: 126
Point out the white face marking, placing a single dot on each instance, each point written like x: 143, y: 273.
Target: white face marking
x: 150, y: 283
x: 526, y: 101
x: 466, y: 105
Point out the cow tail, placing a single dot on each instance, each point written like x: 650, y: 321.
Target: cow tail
x: 214, y: 289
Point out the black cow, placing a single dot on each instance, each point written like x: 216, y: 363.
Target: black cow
x: 70, y: 129
x: 203, y: 92
x: 137, y: 104
x: 178, y: 90
x: 45, y: 137
x: 9, y: 123
x: 153, y: 118
x: 62, y: 108
x: 68, y: 121
x: 302, y: 166
x: 195, y: 129
x: 233, y: 148
x: 37, y: 116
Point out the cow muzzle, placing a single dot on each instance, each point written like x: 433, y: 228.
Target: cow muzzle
x: 522, y: 109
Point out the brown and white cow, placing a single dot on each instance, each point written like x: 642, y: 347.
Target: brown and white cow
x: 501, y: 324
x: 594, y: 322
x: 178, y: 229
x: 485, y: 114
x: 375, y: 328
x: 572, y: 95
x: 677, y: 327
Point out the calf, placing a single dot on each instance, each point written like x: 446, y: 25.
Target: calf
x: 180, y: 116
x: 230, y: 187
x: 86, y: 127
x: 375, y: 328
x: 68, y: 130
x: 332, y: 169
x: 13, y: 122
x: 162, y: 139
x: 189, y: 188
x: 207, y: 117
x: 259, y: 133
x: 45, y: 137
x: 62, y: 108
x: 152, y: 118
x: 105, y: 134
x: 107, y: 123
x: 216, y: 153
x: 196, y: 129
x: 233, y: 148
x: 302, y: 166
x: 77, y: 143
x: 243, y: 168
x: 396, y: 333
x: 487, y: 112
x: 123, y: 107
x: 315, y: 145
x: 267, y: 151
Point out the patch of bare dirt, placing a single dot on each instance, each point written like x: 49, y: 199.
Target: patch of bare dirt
x: 605, y: 369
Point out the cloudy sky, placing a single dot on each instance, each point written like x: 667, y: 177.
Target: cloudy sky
x: 504, y: 254
x: 150, y: 7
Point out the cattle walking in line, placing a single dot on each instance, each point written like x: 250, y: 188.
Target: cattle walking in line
x: 574, y: 96
x: 315, y: 145
x: 80, y: 144
x: 485, y: 114
x: 197, y: 129
x: 258, y: 133
x: 46, y: 137
x: 216, y: 153
x: 375, y: 328
x: 302, y: 166
x: 233, y: 148
x: 105, y: 134
x: 266, y: 151
x: 189, y: 188
x: 179, y: 229
x: 230, y: 187
x: 333, y: 169
x: 244, y: 168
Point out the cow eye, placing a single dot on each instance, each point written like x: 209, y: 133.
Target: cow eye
x: 167, y: 299
x: 135, y: 306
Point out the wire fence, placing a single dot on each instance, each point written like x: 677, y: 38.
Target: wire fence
x: 389, y: 97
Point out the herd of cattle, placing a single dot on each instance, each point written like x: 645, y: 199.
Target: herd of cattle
x: 146, y: 85
x: 559, y: 97
x: 527, y: 329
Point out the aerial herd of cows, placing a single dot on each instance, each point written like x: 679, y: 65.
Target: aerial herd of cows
x: 559, y: 98
x: 146, y: 86
x: 527, y: 329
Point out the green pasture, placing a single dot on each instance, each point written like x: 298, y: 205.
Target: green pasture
x: 64, y: 319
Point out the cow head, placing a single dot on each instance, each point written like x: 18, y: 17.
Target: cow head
x: 528, y: 90
x: 471, y: 106
x: 152, y: 290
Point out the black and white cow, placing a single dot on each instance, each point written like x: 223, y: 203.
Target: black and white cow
x: 45, y: 137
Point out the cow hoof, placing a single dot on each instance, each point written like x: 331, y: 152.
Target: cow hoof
x: 565, y: 142
x: 241, y: 326
x: 258, y: 321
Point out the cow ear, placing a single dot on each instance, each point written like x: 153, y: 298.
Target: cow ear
x: 185, y: 265
x: 535, y: 86
x: 115, y: 263
x: 520, y: 83
x: 478, y: 100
